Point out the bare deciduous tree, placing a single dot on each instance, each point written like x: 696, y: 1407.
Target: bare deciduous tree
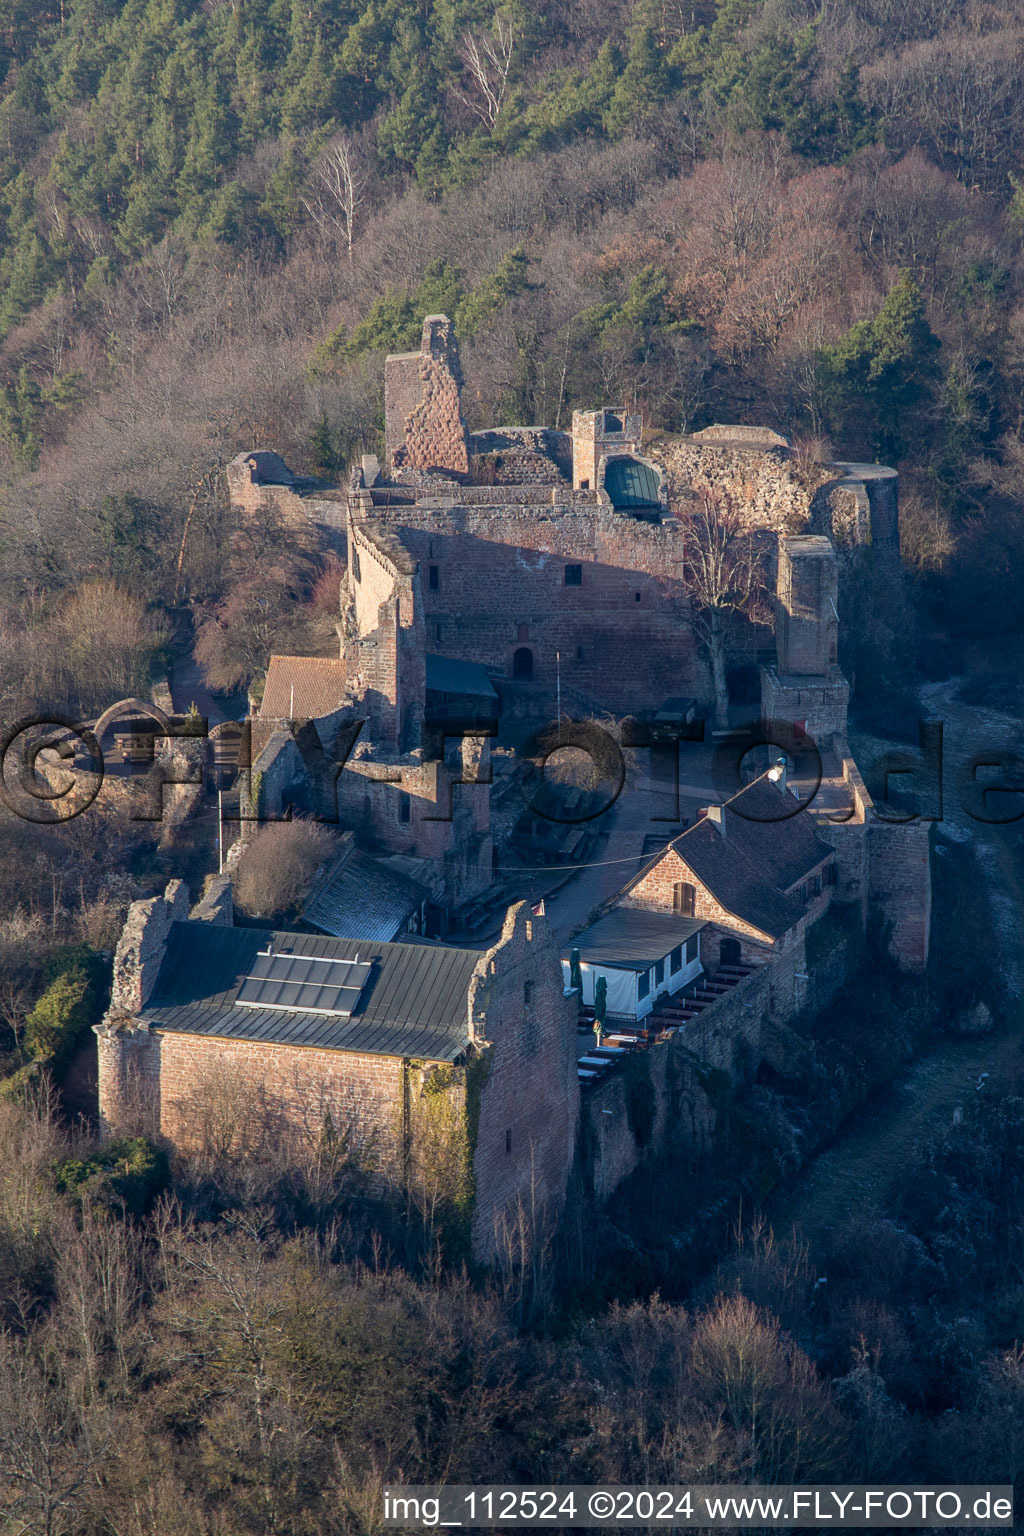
x: 339, y: 188
x: 49, y: 1450
x: 723, y: 567
x: 276, y: 871
x: 487, y: 59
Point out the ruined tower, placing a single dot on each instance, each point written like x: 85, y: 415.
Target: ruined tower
x: 423, y: 422
x: 596, y: 435
x: 806, y: 688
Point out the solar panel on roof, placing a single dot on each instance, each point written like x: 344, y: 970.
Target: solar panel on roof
x: 304, y: 984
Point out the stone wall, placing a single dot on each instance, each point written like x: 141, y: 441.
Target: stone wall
x: 657, y: 1103
x: 217, y: 904
x: 818, y: 705
x: 439, y: 809
x: 529, y: 1098
x: 899, y: 887
x: 730, y: 433
x: 662, y: 1101
x: 501, y: 587
x: 760, y: 480
x: 212, y: 1092
x: 859, y: 506
x: 383, y: 636
x: 805, y: 611
x: 140, y: 950
x: 424, y: 427
x: 521, y: 456
x: 260, y: 482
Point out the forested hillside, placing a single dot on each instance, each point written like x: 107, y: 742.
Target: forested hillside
x: 217, y: 217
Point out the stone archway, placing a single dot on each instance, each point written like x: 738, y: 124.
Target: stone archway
x: 148, y: 710
x: 522, y: 665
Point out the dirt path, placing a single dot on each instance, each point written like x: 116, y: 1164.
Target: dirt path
x: 188, y: 687
x: 858, y: 1173
x: 879, y: 1142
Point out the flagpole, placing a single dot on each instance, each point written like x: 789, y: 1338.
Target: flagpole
x: 558, y: 676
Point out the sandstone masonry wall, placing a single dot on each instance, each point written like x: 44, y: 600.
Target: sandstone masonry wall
x: 500, y: 587
x: 529, y: 1101
x: 899, y: 887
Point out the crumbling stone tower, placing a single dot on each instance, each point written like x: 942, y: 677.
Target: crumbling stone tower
x: 423, y: 422
x: 597, y: 435
x: 806, y: 687
x: 807, y: 588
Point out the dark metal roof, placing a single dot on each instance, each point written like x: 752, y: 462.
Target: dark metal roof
x: 446, y: 675
x: 632, y: 940
x: 631, y: 484
x: 361, y: 899
x: 414, y: 1003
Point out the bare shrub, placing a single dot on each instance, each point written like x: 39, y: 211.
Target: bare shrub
x: 748, y: 1370
x: 926, y: 533
x: 227, y: 1114
x: 23, y: 941
x: 277, y: 869
x: 808, y: 453
x: 108, y: 640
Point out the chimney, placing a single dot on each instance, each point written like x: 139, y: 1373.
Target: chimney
x: 716, y: 814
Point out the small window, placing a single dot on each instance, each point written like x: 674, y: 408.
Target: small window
x: 355, y: 565
x: 817, y: 885
x: 574, y: 575
x: 636, y: 597
x: 404, y: 806
x: 691, y: 948
x: 508, y: 1140
x: 659, y: 973
x: 684, y: 897
x: 584, y: 485
x: 434, y: 578
x: 832, y: 873
x: 675, y: 960
x: 522, y: 631
x: 580, y: 653
x: 643, y: 984
x: 527, y: 993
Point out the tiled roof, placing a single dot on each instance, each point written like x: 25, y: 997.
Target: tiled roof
x: 770, y: 846
x: 631, y: 938
x: 360, y: 898
x: 302, y: 687
x: 414, y: 1004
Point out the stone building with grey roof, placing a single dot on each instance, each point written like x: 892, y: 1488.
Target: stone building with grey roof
x: 218, y: 1035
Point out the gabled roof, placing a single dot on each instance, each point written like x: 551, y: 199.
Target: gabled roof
x: 302, y: 687
x: 414, y: 1003
x: 360, y: 898
x: 631, y: 939
x: 767, y: 850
